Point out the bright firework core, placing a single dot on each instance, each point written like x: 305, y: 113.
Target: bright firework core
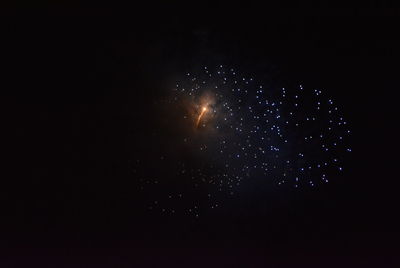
x: 201, y: 115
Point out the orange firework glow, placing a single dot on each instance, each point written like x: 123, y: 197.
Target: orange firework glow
x: 200, y: 115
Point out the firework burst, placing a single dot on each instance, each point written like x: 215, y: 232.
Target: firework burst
x: 233, y: 128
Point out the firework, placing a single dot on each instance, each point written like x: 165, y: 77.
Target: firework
x: 235, y: 128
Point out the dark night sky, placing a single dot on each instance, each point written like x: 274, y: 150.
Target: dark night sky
x: 78, y: 85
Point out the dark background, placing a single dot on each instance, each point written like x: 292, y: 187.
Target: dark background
x: 78, y: 87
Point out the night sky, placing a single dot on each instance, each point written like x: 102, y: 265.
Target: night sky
x: 109, y: 163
